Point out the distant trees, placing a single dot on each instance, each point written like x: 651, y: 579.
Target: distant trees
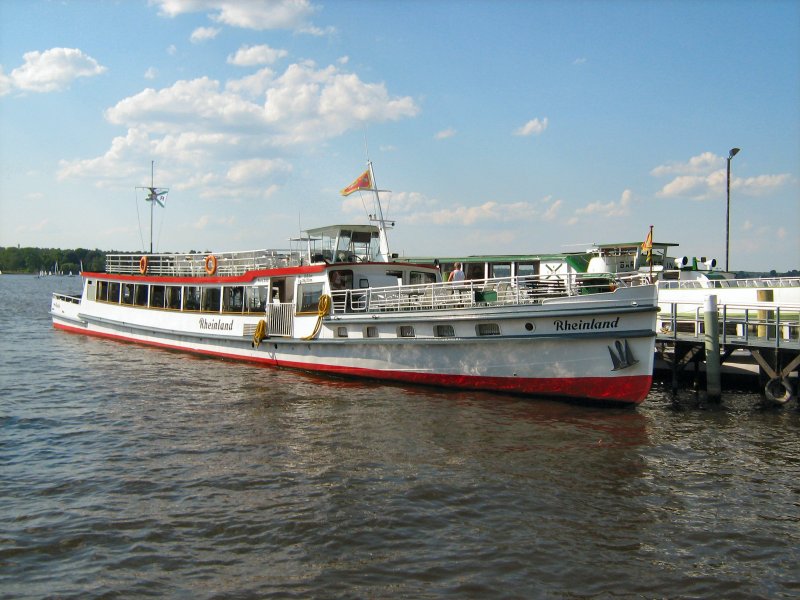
x: 32, y: 260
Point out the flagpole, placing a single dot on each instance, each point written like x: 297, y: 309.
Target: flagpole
x: 383, y: 240
x: 651, y: 254
x: 152, y: 200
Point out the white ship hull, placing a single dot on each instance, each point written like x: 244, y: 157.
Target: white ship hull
x: 592, y: 347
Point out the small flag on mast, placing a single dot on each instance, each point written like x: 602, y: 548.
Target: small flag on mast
x: 647, y: 245
x: 363, y: 182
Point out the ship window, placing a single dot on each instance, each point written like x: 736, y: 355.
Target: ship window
x: 500, y: 270
x: 406, y: 331
x: 232, y: 299
x: 102, y: 291
x: 308, y: 300
x: 372, y: 331
x: 113, y: 291
x: 487, y: 329
x: 420, y: 277
x: 174, y: 297
x: 157, y: 296
x: 256, y: 298
x: 210, y: 299
x: 443, y: 331
x: 140, y: 294
x: 191, y: 300
x: 341, y: 332
x: 525, y: 269
x: 127, y: 293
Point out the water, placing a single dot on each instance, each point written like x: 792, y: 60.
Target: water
x: 131, y: 472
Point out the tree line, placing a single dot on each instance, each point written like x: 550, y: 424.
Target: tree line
x: 33, y: 260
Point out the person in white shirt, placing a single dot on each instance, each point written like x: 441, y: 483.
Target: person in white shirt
x: 457, y: 274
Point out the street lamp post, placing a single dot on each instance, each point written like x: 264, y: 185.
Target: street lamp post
x: 731, y: 154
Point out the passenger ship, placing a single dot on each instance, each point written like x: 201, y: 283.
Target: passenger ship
x: 342, y: 305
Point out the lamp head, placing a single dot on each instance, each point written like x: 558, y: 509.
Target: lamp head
x: 733, y: 152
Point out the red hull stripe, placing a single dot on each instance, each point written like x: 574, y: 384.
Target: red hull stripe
x: 629, y: 390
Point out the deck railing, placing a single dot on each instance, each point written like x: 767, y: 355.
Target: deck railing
x: 532, y: 289
x: 194, y: 265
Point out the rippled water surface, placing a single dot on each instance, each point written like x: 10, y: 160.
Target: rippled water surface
x: 128, y: 471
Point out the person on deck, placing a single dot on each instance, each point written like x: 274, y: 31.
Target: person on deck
x: 457, y: 274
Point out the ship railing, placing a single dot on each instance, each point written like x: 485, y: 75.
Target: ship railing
x: 200, y: 264
x: 67, y: 298
x: 529, y: 289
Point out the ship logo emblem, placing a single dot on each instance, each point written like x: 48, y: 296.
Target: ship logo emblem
x: 622, y: 356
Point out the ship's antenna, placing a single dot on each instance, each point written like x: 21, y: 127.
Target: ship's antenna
x: 155, y: 196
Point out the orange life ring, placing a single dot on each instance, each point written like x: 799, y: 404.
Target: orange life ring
x: 211, y: 264
x: 143, y: 265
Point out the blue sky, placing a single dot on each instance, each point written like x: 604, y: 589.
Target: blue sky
x: 499, y: 127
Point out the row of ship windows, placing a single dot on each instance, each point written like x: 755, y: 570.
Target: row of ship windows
x: 439, y: 331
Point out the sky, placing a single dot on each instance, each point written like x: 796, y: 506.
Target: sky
x: 496, y: 127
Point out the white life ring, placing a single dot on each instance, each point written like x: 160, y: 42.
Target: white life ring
x: 778, y: 390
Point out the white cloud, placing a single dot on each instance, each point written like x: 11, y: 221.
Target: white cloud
x: 248, y: 56
x: 254, y: 169
x: 579, y: 61
x: 704, y: 177
x: 218, y: 133
x: 202, y: 34
x: 278, y: 14
x: 51, y: 71
x: 151, y: 73
x: 532, y: 127
x: 445, y: 133
x: 607, y: 209
x: 701, y: 164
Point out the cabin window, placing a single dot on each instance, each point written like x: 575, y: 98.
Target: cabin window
x: 371, y: 332
x: 174, y: 297
x: 256, y: 298
x: 421, y: 277
x: 341, y: 280
x: 232, y: 299
x: 141, y: 293
x: 157, y: 296
x: 487, y: 329
x: 443, y: 331
x: 405, y: 331
x: 210, y: 297
x: 341, y: 332
x: 127, y: 293
x: 191, y: 298
x: 308, y: 300
x: 475, y: 270
x: 525, y: 269
x: 500, y: 270
x: 102, y: 291
x: 113, y: 291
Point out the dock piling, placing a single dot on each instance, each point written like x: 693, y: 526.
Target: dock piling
x: 711, y: 338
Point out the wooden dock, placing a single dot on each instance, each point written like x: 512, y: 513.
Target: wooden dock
x: 760, y: 337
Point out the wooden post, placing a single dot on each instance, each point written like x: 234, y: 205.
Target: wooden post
x: 765, y: 315
x: 711, y: 336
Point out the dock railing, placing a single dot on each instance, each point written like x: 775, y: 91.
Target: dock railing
x: 762, y: 324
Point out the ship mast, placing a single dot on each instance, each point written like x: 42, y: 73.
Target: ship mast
x: 383, y: 240
x: 155, y: 196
